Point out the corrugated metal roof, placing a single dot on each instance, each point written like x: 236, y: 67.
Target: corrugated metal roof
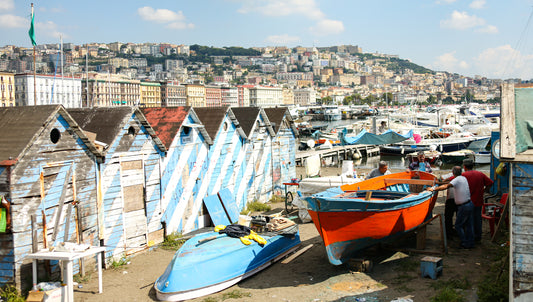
x: 246, y: 117
x: 212, y: 118
x: 166, y: 121
x: 19, y: 125
x: 106, y: 122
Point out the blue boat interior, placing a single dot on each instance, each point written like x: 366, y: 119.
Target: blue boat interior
x: 398, y: 188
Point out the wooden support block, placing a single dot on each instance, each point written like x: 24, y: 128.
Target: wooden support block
x: 421, y: 238
x: 360, y: 265
x: 368, y: 195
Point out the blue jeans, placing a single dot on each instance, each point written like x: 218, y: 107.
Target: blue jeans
x: 464, y: 224
x: 477, y: 223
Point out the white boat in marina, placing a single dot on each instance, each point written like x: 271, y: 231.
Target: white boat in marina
x: 332, y: 113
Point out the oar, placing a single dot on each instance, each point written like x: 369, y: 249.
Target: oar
x: 206, y: 239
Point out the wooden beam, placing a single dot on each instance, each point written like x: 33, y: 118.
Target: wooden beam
x: 507, y: 122
x: 394, y: 181
x: 298, y: 253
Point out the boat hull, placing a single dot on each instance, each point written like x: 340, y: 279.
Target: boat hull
x: 482, y: 157
x: 350, y: 225
x: 202, y: 268
x: 457, y: 157
x: 441, y: 145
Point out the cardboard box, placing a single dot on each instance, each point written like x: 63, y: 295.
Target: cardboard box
x: 35, y: 296
x: 54, y: 295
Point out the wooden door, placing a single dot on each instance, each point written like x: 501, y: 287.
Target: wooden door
x: 133, y: 196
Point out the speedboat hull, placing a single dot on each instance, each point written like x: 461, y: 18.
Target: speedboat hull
x: 353, y: 217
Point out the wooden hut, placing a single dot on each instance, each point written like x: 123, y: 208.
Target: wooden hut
x: 48, y: 175
x: 259, y: 134
x: 515, y: 150
x: 226, y: 155
x: 283, y: 147
x: 130, y: 179
x: 182, y: 170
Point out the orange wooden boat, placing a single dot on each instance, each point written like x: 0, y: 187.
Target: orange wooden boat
x: 355, y: 216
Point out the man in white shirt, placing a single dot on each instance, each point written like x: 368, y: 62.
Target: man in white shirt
x: 464, y: 221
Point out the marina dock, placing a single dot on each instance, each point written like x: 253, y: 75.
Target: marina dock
x: 338, y: 153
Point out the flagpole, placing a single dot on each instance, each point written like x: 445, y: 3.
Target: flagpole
x: 34, y: 67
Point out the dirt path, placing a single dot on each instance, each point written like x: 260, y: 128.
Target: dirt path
x: 310, y: 277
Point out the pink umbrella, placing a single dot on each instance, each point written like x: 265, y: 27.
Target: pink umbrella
x: 417, y: 138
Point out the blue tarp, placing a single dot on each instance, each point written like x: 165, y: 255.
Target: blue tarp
x: 366, y: 138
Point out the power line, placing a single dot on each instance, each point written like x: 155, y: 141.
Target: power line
x: 519, y: 43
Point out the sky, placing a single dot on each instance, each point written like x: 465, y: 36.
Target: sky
x: 489, y: 38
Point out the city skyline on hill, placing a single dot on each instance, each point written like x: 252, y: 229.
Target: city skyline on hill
x: 469, y: 37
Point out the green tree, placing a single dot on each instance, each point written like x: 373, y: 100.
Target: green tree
x: 448, y: 100
x: 326, y: 100
x: 348, y: 100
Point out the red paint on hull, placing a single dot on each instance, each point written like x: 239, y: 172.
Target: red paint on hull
x: 345, y: 226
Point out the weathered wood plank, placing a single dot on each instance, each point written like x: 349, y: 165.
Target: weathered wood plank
x: 508, y: 131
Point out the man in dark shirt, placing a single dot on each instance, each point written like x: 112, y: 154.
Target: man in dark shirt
x: 478, y: 183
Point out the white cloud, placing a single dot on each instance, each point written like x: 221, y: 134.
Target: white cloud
x: 12, y: 21
x: 489, y: 29
x: 327, y: 27
x: 284, y: 39
x: 478, y: 4
x: 6, y: 5
x: 448, y: 62
x: 174, y: 20
x: 307, y: 8
x: 461, y: 21
x: 48, y: 29
x: 504, y: 62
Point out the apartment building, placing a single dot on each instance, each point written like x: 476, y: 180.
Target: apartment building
x: 47, y: 90
x: 229, y: 96
x: 244, y: 95
x: 7, y: 89
x: 288, y: 96
x: 264, y: 96
x: 102, y: 90
x: 195, y: 95
x: 213, y: 97
x: 305, y: 96
x: 173, y: 95
x: 150, y: 94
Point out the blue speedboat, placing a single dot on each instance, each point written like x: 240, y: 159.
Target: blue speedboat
x: 210, y: 262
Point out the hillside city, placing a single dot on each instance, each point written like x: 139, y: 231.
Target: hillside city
x: 152, y: 75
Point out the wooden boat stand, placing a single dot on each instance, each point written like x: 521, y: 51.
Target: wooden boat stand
x: 420, y: 232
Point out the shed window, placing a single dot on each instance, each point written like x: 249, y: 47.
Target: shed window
x: 55, y: 135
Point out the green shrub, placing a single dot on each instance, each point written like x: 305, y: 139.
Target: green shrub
x: 172, y: 242
x: 455, y: 283
x: 448, y: 294
x: 9, y: 293
x: 277, y: 199
x: 235, y: 294
x: 256, y: 206
x: 115, y: 264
